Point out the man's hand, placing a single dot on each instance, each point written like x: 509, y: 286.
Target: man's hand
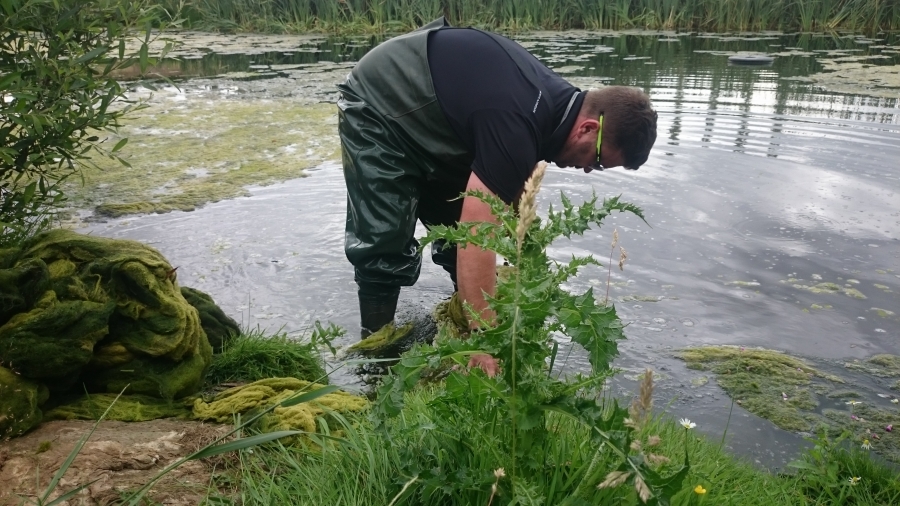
x: 486, y: 363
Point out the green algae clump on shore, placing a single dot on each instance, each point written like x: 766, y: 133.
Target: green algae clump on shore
x: 451, y: 317
x: 219, y: 327
x: 104, y: 315
x: 128, y: 408
x: 20, y: 402
x: 265, y: 393
x: 768, y: 383
x: 109, y: 314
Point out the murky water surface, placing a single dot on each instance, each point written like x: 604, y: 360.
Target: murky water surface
x: 765, y: 183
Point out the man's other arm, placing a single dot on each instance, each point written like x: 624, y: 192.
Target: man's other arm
x: 476, y: 269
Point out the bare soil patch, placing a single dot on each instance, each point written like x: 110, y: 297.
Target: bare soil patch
x: 120, y: 456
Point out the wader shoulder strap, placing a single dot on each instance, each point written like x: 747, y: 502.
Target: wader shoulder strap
x: 440, y: 22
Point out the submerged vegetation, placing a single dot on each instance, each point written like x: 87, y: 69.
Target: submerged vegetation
x: 799, y: 397
x: 183, y: 156
x: 403, y: 15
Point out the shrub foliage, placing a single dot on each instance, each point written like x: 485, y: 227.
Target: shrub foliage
x: 58, y: 95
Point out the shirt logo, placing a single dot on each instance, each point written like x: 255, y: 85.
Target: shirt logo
x: 536, y: 102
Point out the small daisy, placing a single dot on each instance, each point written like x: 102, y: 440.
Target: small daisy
x: 865, y: 445
x: 895, y: 401
x: 854, y: 480
x: 853, y: 403
x: 687, y: 424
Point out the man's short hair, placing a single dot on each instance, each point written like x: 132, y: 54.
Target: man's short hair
x: 629, y: 113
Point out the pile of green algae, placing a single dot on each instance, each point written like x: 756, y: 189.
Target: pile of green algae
x: 83, y: 318
x: 80, y: 313
x: 796, y: 396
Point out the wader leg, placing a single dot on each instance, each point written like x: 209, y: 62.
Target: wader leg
x: 441, y: 205
x: 382, y: 206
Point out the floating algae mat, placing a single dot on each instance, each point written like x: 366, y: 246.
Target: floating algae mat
x: 818, y: 286
x: 388, y: 340
x: 184, y: 154
x: 796, y: 396
x: 858, y: 75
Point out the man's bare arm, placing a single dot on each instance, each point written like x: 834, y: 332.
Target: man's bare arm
x: 476, y: 269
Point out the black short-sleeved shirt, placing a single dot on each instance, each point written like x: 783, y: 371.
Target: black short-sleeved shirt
x: 506, y: 121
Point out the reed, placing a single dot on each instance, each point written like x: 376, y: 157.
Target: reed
x: 869, y: 16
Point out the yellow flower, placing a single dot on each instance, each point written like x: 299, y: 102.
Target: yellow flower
x: 699, y: 490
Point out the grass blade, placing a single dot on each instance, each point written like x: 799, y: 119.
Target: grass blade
x: 242, y: 443
x: 71, y: 493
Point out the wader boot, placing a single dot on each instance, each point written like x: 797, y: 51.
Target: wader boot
x: 376, y: 310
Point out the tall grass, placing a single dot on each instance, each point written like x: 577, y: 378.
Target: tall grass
x: 256, y: 354
x: 367, y: 468
x: 396, y: 15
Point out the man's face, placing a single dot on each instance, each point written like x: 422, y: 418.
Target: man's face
x: 580, y: 149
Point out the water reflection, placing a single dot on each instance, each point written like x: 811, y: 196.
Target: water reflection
x: 759, y: 187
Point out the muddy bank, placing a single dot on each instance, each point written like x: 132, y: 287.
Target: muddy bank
x: 119, y: 457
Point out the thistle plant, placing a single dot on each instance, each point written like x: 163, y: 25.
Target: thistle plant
x: 515, y: 412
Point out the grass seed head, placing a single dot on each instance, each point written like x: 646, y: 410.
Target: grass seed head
x: 614, y: 479
x: 527, y: 206
x: 640, y: 408
x: 657, y: 459
x: 642, y: 489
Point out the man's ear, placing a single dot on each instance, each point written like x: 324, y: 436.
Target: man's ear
x: 587, y: 126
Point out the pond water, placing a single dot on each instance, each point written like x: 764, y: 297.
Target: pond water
x: 765, y: 182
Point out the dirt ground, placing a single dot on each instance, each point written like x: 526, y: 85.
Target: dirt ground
x: 120, y: 456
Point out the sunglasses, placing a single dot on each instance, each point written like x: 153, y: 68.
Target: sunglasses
x: 597, y: 165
